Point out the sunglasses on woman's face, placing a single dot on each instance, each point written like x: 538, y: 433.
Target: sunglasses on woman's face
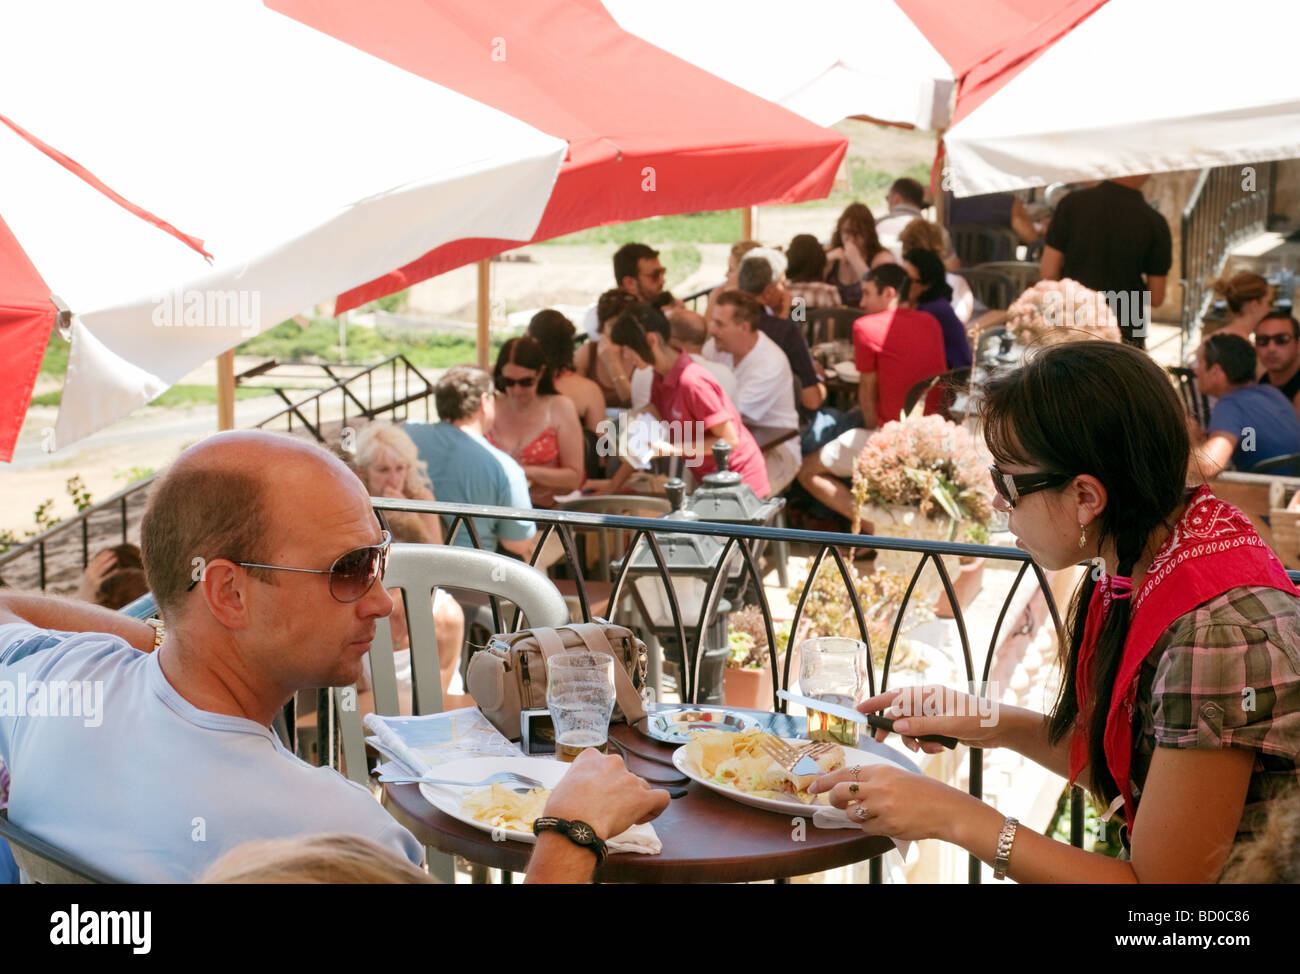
x: 351, y: 575
x: 1011, y: 487
x: 1261, y: 341
x: 527, y: 382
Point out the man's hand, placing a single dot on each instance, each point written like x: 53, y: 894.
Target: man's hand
x: 599, y: 790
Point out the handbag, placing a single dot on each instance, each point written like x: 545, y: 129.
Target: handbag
x: 509, y: 674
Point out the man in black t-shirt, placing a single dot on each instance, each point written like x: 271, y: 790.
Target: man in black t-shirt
x: 1277, y: 344
x: 1106, y: 238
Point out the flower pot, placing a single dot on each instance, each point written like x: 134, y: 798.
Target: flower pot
x: 748, y: 688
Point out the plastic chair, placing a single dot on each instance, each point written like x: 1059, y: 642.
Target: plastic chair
x: 939, y: 391
x: 46, y: 863
x: 993, y: 289
x: 417, y: 569
x: 631, y: 505
x: 1024, y: 273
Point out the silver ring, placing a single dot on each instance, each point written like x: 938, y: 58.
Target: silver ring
x: 860, y: 813
x: 855, y: 770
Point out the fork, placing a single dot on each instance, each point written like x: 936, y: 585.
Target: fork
x: 501, y: 777
x: 796, y: 760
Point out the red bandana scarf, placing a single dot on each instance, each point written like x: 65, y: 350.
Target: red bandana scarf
x: 1212, y: 549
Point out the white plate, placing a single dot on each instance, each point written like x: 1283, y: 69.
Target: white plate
x: 689, y: 768
x: 448, y: 798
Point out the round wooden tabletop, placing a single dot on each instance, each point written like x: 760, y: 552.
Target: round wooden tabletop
x: 707, y: 837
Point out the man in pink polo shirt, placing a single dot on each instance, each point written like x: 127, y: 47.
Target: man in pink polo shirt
x: 894, y: 347
x: 686, y: 394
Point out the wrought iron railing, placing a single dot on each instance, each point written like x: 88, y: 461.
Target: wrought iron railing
x: 349, y: 390
x: 738, y: 540
x: 1227, y: 204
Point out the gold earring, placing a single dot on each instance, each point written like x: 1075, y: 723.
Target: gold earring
x: 1083, y: 536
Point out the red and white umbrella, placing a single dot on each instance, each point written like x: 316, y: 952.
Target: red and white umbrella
x: 322, y: 149
x: 1029, y: 91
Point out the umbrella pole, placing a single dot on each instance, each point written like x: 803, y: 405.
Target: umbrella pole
x: 226, y: 390
x: 484, y: 287
x: 747, y: 223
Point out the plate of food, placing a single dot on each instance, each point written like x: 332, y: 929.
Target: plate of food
x: 735, y: 765
x: 499, y: 808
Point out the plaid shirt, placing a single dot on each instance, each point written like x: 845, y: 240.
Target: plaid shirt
x: 1227, y: 675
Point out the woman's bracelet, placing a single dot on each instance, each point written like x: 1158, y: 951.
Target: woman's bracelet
x: 1005, y: 839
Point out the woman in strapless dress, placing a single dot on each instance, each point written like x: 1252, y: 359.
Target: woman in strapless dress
x: 535, y: 425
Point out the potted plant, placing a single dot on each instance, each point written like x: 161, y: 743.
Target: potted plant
x: 747, y: 680
x: 924, y: 477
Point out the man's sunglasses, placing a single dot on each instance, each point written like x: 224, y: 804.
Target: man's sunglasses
x: 351, y: 576
x: 525, y: 383
x: 1011, y: 487
x: 1261, y: 341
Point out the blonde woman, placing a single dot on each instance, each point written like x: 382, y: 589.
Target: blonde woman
x: 389, y: 464
x: 1248, y: 297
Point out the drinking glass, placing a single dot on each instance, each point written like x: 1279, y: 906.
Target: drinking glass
x: 580, y: 697
x: 832, y: 668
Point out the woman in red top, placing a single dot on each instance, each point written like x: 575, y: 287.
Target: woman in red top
x: 535, y: 425
x: 1180, y: 703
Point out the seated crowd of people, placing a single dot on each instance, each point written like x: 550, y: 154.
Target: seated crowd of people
x: 256, y: 625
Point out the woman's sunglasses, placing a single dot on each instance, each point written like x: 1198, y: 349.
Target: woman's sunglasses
x: 351, y: 575
x: 1011, y: 487
x: 525, y: 383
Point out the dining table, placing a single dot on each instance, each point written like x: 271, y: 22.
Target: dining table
x: 707, y: 837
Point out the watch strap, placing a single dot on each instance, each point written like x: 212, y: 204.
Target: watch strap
x: 577, y: 832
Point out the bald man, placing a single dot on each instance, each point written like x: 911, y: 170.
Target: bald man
x: 688, y: 331
x: 263, y: 553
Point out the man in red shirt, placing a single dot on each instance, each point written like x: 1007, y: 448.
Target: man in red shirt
x: 687, y: 397
x: 894, y: 347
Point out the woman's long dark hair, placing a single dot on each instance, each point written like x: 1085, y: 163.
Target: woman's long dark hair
x: 554, y: 332
x: 932, y: 273
x: 1105, y: 409
x: 862, y: 223
x: 526, y: 353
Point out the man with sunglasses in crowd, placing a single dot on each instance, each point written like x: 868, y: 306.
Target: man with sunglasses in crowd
x: 263, y: 553
x: 1277, y: 343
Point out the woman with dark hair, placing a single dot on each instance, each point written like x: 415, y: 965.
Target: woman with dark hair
x: 931, y: 294
x: 555, y: 333
x: 535, y: 425
x: 855, y: 249
x: 604, y: 363
x: 1179, y: 706
x: 805, y: 273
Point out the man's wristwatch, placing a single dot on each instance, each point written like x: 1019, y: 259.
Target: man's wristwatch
x: 579, y: 833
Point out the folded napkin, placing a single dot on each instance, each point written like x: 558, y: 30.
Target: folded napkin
x: 639, y: 838
x: 830, y: 817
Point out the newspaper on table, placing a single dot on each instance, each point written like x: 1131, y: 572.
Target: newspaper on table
x: 416, y: 745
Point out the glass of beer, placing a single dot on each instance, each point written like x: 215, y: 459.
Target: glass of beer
x: 580, y: 697
x: 832, y: 668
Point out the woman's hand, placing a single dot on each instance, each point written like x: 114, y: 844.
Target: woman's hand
x: 924, y: 710
x: 888, y: 800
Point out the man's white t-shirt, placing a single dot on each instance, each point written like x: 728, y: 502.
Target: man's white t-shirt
x: 142, y: 784
x: 726, y: 378
x: 764, y: 388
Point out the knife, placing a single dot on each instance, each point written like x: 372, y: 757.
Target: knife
x: 848, y: 713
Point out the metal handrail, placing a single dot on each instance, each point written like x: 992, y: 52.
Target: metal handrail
x: 644, y: 530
